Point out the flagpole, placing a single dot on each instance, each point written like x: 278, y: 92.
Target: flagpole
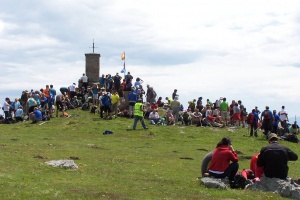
x: 123, y: 57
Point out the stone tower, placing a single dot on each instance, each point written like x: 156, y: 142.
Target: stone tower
x: 92, y: 67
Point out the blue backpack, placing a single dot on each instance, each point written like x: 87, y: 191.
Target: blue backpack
x: 105, y: 100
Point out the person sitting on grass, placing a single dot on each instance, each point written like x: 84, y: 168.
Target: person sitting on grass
x: 170, y: 120
x: 209, y: 115
x: 274, y: 158
x: 19, y: 114
x: 154, y: 117
x: 196, y: 117
x: 220, y: 166
x: 36, y: 115
x: 186, y: 118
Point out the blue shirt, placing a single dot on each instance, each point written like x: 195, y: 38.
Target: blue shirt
x: 255, y: 117
x: 101, y: 81
x: 19, y: 112
x: 132, y: 96
x: 38, y: 114
x: 52, y: 91
x: 276, y: 120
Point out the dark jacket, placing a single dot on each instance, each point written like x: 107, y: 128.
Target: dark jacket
x: 274, y: 159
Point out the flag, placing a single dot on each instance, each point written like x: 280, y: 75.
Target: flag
x: 123, y: 56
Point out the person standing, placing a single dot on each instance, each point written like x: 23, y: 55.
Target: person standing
x: 139, y: 114
x: 24, y: 98
x: 53, y: 91
x: 224, y: 162
x: 132, y: 100
x: 275, y: 122
x: 72, y: 90
x: 175, y: 105
x: 242, y: 116
x: 84, y: 80
x: 274, y: 158
x: 115, y: 103
x: 224, y: 111
x: 253, y: 121
x: 117, y: 81
x: 6, y: 107
x: 174, y: 94
x: 284, y: 118
x: 267, y: 121
x: 95, y: 94
x: 102, y: 81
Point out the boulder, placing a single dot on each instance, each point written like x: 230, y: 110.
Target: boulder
x: 285, y: 188
x: 62, y: 163
x: 210, y: 182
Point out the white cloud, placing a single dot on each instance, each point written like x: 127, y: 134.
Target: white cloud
x: 242, y: 50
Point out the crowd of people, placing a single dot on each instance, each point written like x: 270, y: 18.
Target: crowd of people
x: 116, y: 96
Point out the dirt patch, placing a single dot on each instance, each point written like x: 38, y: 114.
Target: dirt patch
x: 186, y: 158
x: 40, y: 157
x: 202, y: 150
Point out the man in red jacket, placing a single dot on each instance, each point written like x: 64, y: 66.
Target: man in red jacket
x: 220, y: 166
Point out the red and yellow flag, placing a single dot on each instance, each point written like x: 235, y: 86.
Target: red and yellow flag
x: 123, y: 56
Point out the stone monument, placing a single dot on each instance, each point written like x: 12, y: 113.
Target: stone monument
x: 92, y: 66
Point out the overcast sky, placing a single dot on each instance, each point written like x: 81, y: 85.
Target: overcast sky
x: 245, y: 50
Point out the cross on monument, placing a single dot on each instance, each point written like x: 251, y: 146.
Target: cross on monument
x: 93, y: 46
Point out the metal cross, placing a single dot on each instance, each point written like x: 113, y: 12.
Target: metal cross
x: 93, y: 46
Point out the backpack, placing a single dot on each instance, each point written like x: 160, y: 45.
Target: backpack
x: 85, y: 106
x: 292, y: 138
x: 105, y: 100
x: 93, y: 109
x: 239, y: 182
x: 267, y: 115
x: 250, y: 118
x: 45, y: 116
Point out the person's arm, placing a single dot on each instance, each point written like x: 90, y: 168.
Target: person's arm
x: 234, y: 157
x: 291, y: 155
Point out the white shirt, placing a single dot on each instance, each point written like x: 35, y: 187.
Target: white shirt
x: 5, y: 106
x: 84, y: 78
x: 72, y: 88
x: 153, y: 115
x: 283, y: 115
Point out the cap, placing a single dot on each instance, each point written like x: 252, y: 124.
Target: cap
x: 272, y: 135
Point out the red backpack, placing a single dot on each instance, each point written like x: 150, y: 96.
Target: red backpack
x: 250, y: 118
x: 267, y: 115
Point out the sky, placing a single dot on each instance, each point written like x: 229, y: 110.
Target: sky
x: 241, y: 50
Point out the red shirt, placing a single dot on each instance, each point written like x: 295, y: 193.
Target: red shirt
x: 154, y: 107
x: 258, y: 171
x: 124, y: 86
x: 221, y: 159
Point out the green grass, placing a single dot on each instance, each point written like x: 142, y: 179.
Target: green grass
x: 162, y: 162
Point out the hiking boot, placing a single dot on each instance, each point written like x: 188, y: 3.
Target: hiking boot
x: 146, y: 128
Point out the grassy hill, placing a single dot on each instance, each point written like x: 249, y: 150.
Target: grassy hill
x: 162, y: 162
